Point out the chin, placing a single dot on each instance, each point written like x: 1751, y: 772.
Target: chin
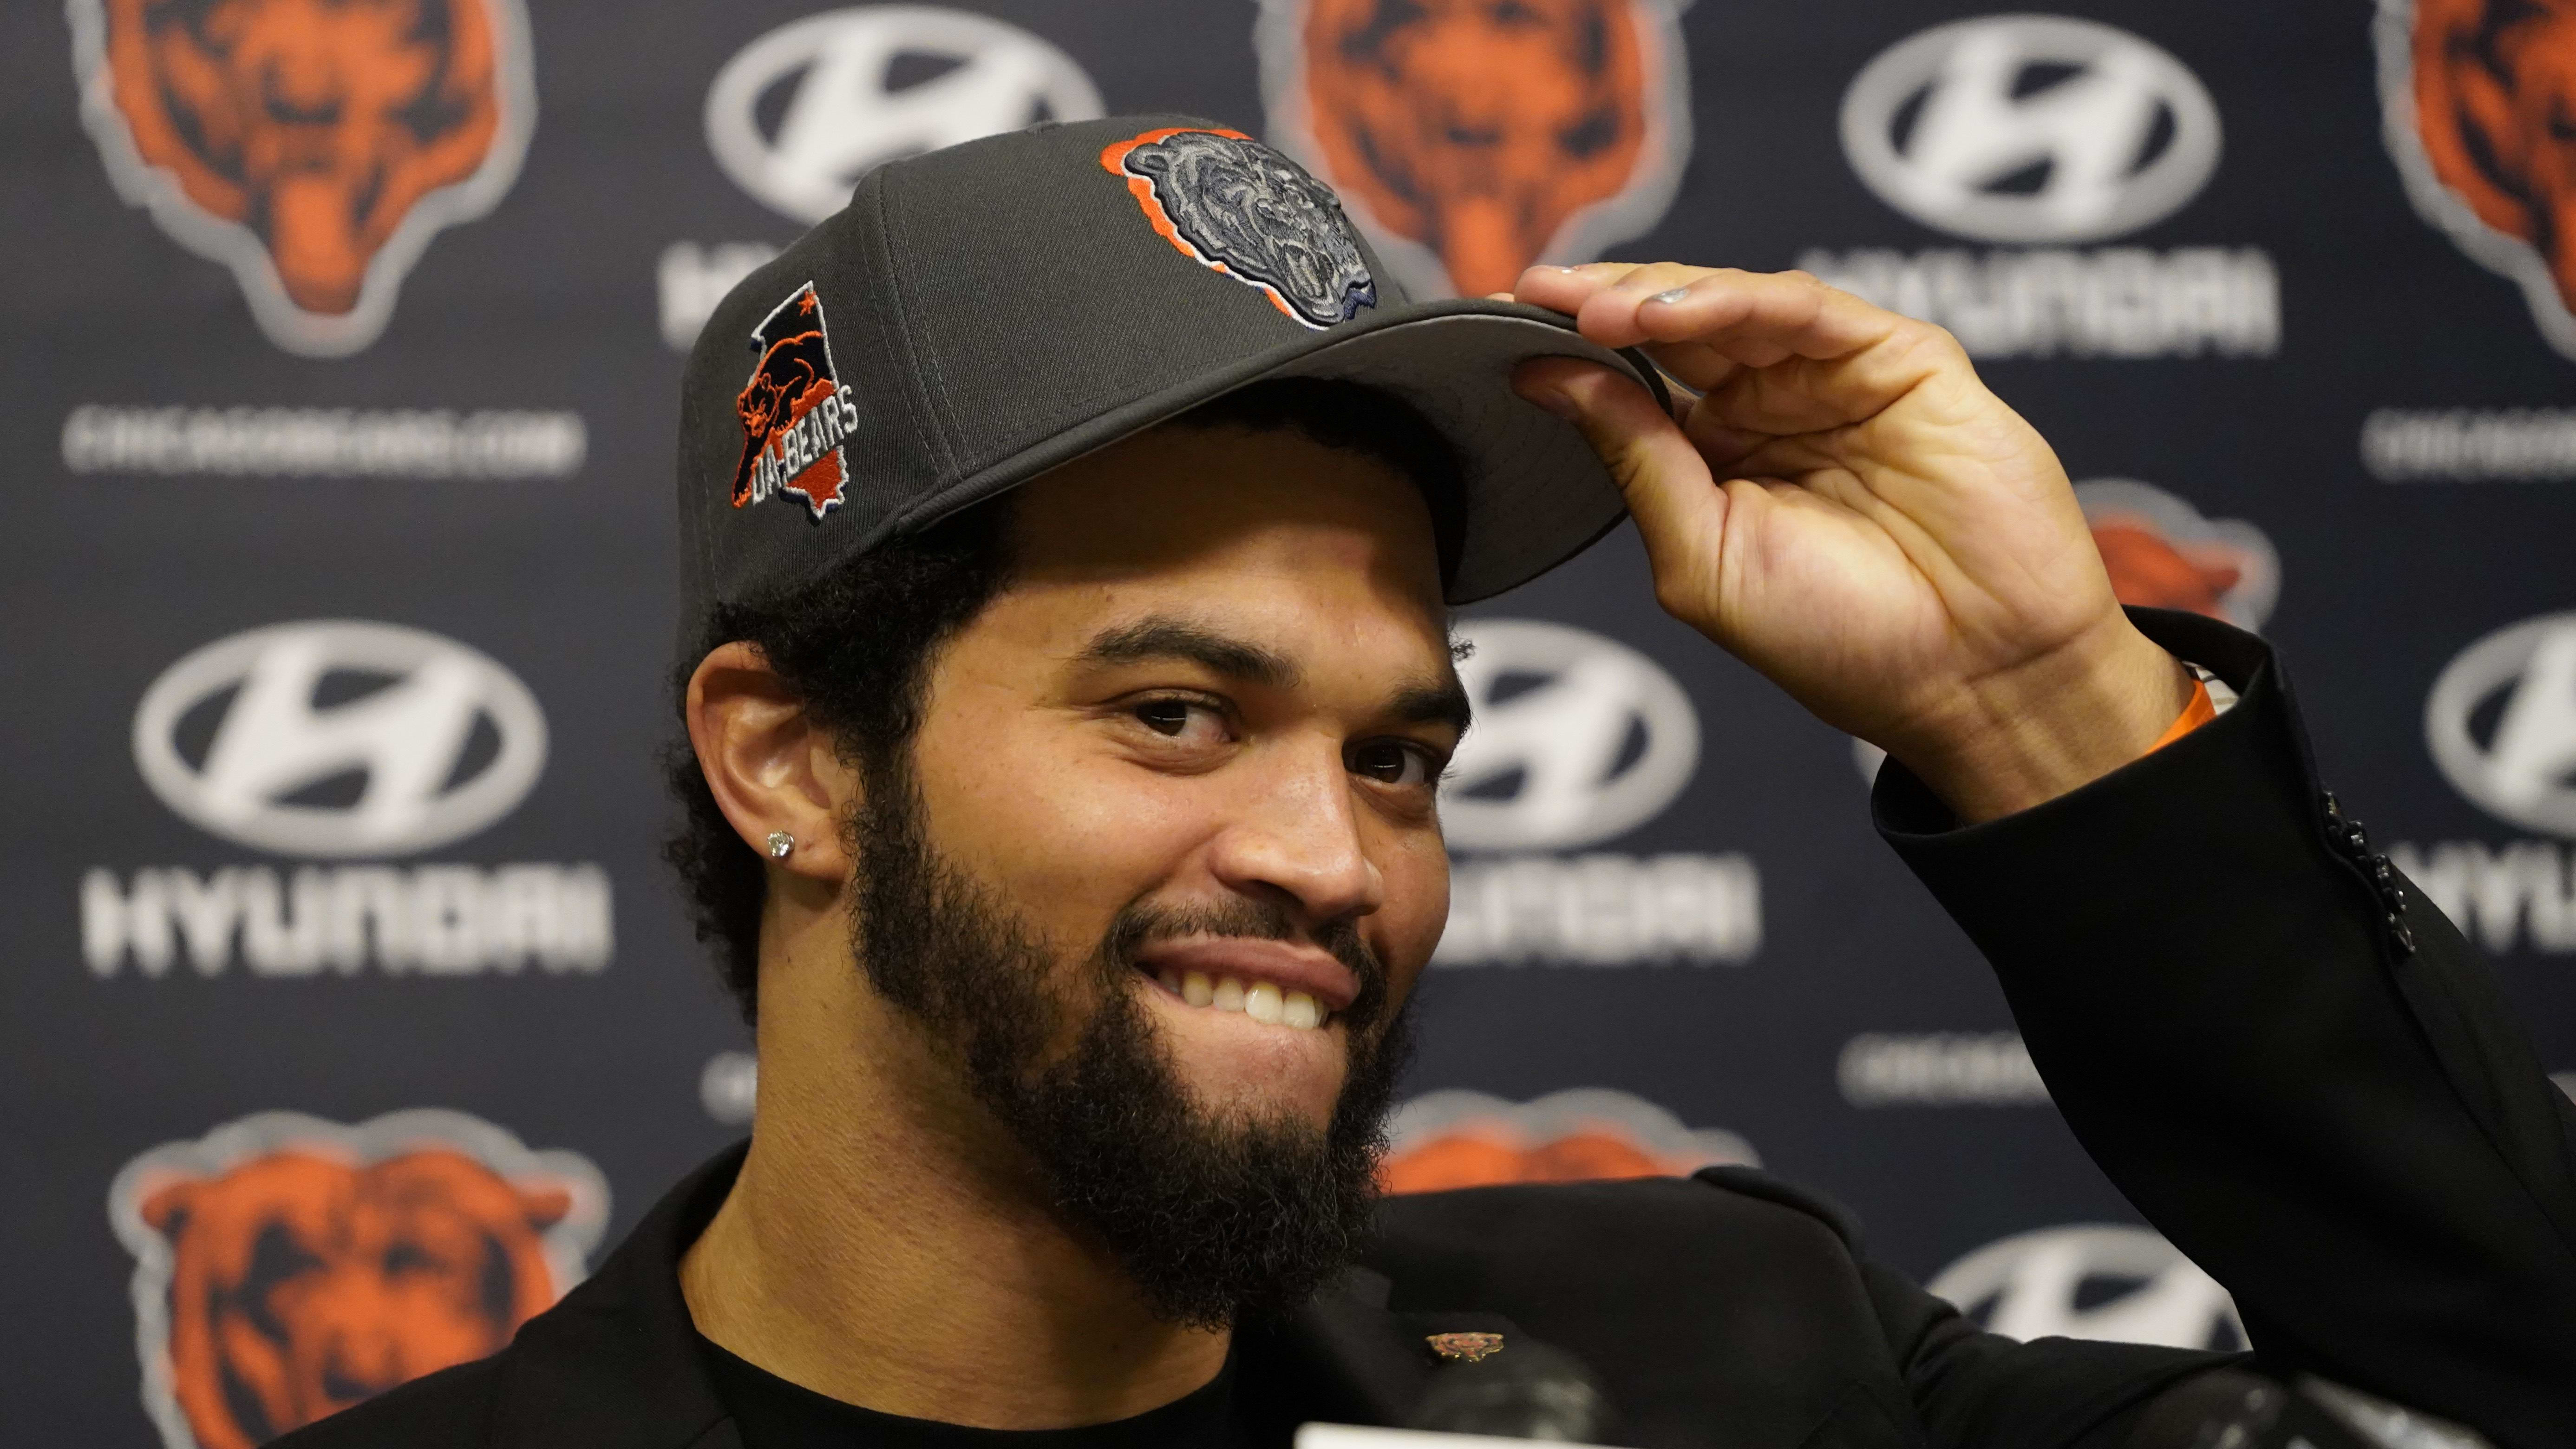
x: 1240, y: 1068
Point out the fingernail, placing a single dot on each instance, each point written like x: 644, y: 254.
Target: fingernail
x: 1674, y: 295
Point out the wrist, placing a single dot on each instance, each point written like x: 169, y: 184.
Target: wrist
x: 2051, y: 725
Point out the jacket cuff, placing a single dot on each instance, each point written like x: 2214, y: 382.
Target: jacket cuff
x: 1908, y: 813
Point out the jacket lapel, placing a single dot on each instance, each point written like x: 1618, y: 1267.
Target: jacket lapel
x: 1345, y: 1358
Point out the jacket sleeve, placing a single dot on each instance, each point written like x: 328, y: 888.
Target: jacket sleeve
x: 1979, y: 1389
x: 2284, y: 1057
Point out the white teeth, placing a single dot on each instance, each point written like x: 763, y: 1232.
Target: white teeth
x: 1263, y: 1003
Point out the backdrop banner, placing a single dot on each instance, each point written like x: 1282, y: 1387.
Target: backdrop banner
x: 349, y: 1014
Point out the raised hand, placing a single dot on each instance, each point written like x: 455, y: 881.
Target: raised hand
x: 1848, y: 510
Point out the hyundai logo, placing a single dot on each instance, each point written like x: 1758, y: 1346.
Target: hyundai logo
x: 2105, y: 1282
x: 339, y: 738
x: 860, y: 87
x: 1577, y: 739
x: 2030, y: 128
x: 2522, y: 766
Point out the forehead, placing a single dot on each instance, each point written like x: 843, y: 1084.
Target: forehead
x: 1233, y: 519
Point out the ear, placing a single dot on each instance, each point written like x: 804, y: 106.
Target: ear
x: 545, y: 1203
x: 163, y: 1203
x: 770, y: 767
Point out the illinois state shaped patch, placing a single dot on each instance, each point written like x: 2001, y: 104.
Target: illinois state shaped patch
x: 795, y: 412
x: 1235, y: 206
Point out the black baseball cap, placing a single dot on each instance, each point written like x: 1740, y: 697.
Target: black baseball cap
x: 979, y: 314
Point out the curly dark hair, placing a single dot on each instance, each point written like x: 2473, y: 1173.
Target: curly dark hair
x: 855, y: 646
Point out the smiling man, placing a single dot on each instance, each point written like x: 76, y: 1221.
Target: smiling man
x: 1069, y: 534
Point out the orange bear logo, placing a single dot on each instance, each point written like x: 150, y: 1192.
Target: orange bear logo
x: 2147, y: 570
x: 1454, y: 1139
x: 2163, y: 553
x: 1475, y: 137
x: 313, y: 146
x: 2479, y: 95
x: 287, y: 1267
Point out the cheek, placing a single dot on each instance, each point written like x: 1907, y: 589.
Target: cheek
x: 1407, y: 928
x: 1067, y: 840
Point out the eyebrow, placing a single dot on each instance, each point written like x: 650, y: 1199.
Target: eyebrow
x: 1163, y: 638
x: 1441, y: 701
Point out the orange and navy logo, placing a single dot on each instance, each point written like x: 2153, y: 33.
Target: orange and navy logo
x: 795, y: 412
x: 1240, y: 209
x: 314, y: 148
x: 2163, y: 553
x: 1453, y: 1139
x: 2479, y: 102
x: 287, y: 1267
x: 1472, y: 139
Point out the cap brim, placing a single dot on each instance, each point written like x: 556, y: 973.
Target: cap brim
x: 1535, y: 494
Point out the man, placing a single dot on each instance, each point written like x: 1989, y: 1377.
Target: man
x: 1069, y: 530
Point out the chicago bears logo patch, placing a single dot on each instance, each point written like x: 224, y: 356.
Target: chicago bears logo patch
x: 2476, y: 97
x: 795, y: 412
x: 313, y: 149
x: 1235, y: 206
x: 287, y: 1267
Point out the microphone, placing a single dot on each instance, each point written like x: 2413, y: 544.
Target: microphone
x: 1527, y: 1391
x: 2230, y: 1409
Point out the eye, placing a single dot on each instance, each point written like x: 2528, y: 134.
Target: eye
x: 1394, y: 762
x: 1165, y: 716
x: 1179, y: 717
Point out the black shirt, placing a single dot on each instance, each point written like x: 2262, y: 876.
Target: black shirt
x: 772, y: 1413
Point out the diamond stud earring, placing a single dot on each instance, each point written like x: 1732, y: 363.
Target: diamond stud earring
x: 780, y: 842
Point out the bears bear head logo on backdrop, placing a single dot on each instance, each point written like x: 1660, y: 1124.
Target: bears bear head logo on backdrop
x: 2162, y: 552
x: 2479, y: 98
x: 287, y: 1267
x: 1453, y: 1139
x: 1474, y: 138
x: 312, y: 147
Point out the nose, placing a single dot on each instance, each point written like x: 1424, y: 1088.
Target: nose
x: 1298, y: 841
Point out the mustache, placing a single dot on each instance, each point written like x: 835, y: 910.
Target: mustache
x: 1142, y: 924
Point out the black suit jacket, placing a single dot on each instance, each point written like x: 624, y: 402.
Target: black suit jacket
x: 2293, y: 1066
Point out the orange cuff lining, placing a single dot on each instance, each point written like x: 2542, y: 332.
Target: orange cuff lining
x: 2200, y: 711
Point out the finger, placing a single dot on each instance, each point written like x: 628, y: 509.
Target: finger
x: 1694, y: 365
x: 1608, y: 314
x: 1803, y: 395
x: 1680, y: 512
x: 1752, y: 317
x: 1564, y: 289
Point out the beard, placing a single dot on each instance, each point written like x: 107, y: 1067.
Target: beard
x: 1217, y: 1222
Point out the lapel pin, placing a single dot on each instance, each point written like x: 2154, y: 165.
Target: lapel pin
x: 1465, y: 1347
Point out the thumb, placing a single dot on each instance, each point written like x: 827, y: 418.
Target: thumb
x: 1680, y: 510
